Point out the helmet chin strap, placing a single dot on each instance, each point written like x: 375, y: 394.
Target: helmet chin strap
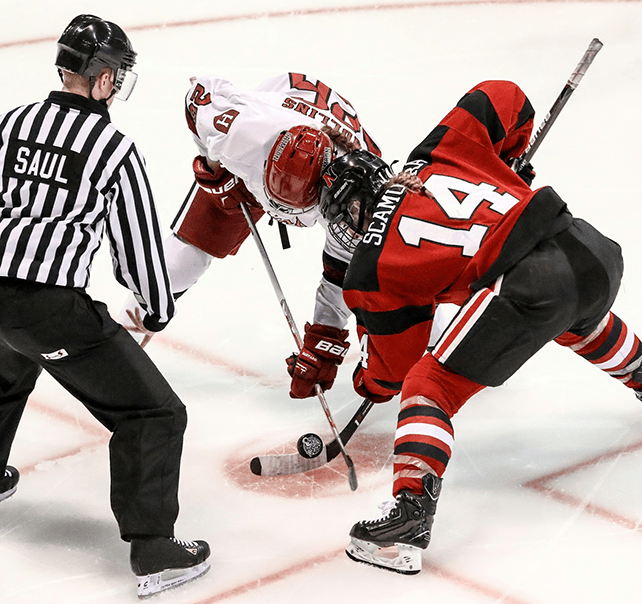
x: 104, y: 101
x: 362, y: 215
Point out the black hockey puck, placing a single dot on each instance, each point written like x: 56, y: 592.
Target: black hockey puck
x: 309, y: 445
x: 255, y: 466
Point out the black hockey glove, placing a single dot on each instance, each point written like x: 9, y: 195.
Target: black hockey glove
x: 527, y: 174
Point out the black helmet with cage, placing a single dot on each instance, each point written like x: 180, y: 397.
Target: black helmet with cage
x: 89, y: 44
x: 350, y: 188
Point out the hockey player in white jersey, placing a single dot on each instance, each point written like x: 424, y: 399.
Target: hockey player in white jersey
x: 265, y: 147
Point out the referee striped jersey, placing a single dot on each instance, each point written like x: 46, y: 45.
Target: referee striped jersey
x: 68, y: 177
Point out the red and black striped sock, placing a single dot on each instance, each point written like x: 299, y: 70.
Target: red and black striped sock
x: 611, y: 347
x: 423, y: 444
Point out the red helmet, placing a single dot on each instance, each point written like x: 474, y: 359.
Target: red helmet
x: 293, y: 169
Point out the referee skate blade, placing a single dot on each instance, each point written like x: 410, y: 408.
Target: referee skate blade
x: 7, y: 494
x: 401, y: 558
x: 150, y: 585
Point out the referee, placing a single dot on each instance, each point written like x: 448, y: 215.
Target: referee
x: 68, y: 177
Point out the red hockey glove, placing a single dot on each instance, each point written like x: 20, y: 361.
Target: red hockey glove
x: 226, y: 189
x: 359, y: 387
x: 324, y: 348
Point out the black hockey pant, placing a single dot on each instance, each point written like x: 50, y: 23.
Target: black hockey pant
x: 75, y: 340
x: 565, y: 284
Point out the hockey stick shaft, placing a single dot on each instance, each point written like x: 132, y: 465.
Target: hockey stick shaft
x: 333, y: 447
x: 352, y: 475
x: 293, y: 463
x: 570, y: 86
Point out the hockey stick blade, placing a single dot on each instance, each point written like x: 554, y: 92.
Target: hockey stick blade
x: 352, y: 473
x: 571, y: 84
x: 293, y: 463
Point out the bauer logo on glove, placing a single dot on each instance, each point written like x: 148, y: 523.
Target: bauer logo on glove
x: 338, y: 350
x: 324, y: 348
x: 226, y: 189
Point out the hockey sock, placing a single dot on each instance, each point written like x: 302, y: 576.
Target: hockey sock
x: 612, y: 347
x: 423, y: 444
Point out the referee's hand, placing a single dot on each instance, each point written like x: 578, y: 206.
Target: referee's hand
x: 137, y: 326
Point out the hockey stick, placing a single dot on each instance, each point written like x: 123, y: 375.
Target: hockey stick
x: 352, y: 475
x: 293, y: 463
x: 571, y: 84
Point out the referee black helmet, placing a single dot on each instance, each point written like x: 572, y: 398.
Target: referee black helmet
x: 89, y: 44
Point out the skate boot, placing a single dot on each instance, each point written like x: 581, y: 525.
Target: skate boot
x: 9, y: 482
x: 406, y: 526
x: 161, y: 563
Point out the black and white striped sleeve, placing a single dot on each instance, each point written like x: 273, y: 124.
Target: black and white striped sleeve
x: 135, y: 239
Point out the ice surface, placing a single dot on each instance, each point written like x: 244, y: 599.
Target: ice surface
x: 542, y: 500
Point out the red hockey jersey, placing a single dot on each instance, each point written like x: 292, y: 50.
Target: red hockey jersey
x: 480, y: 219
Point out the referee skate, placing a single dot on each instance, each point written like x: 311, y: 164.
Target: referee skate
x: 162, y: 563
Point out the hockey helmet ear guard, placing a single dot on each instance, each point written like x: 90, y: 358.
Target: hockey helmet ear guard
x: 293, y: 168
x: 89, y: 44
x: 350, y: 188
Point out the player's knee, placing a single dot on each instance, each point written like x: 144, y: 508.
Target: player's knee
x: 435, y: 382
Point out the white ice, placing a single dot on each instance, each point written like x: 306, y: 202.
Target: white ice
x: 542, y: 501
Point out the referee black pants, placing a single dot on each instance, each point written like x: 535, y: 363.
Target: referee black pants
x: 94, y: 358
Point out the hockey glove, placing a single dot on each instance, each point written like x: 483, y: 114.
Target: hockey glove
x: 359, y: 387
x: 324, y: 348
x: 527, y: 174
x: 226, y: 189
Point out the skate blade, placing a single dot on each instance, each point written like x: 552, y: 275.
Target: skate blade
x: 8, y: 493
x: 150, y: 585
x: 405, y: 559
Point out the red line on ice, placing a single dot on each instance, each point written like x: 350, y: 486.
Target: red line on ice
x: 307, y: 12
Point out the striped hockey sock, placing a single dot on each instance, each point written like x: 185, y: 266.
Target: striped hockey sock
x: 612, y: 347
x: 423, y: 444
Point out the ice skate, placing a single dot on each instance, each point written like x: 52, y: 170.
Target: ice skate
x: 395, y: 541
x: 162, y: 563
x: 9, y: 482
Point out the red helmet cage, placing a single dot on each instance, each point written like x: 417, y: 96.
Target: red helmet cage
x: 293, y: 169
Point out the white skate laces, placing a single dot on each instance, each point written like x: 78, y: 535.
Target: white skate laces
x: 190, y: 546
x: 386, y: 507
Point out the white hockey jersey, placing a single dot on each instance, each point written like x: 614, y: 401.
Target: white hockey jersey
x: 238, y: 127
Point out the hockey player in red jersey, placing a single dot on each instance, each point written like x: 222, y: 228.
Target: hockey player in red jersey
x: 459, y: 225
x: 265, y: 147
